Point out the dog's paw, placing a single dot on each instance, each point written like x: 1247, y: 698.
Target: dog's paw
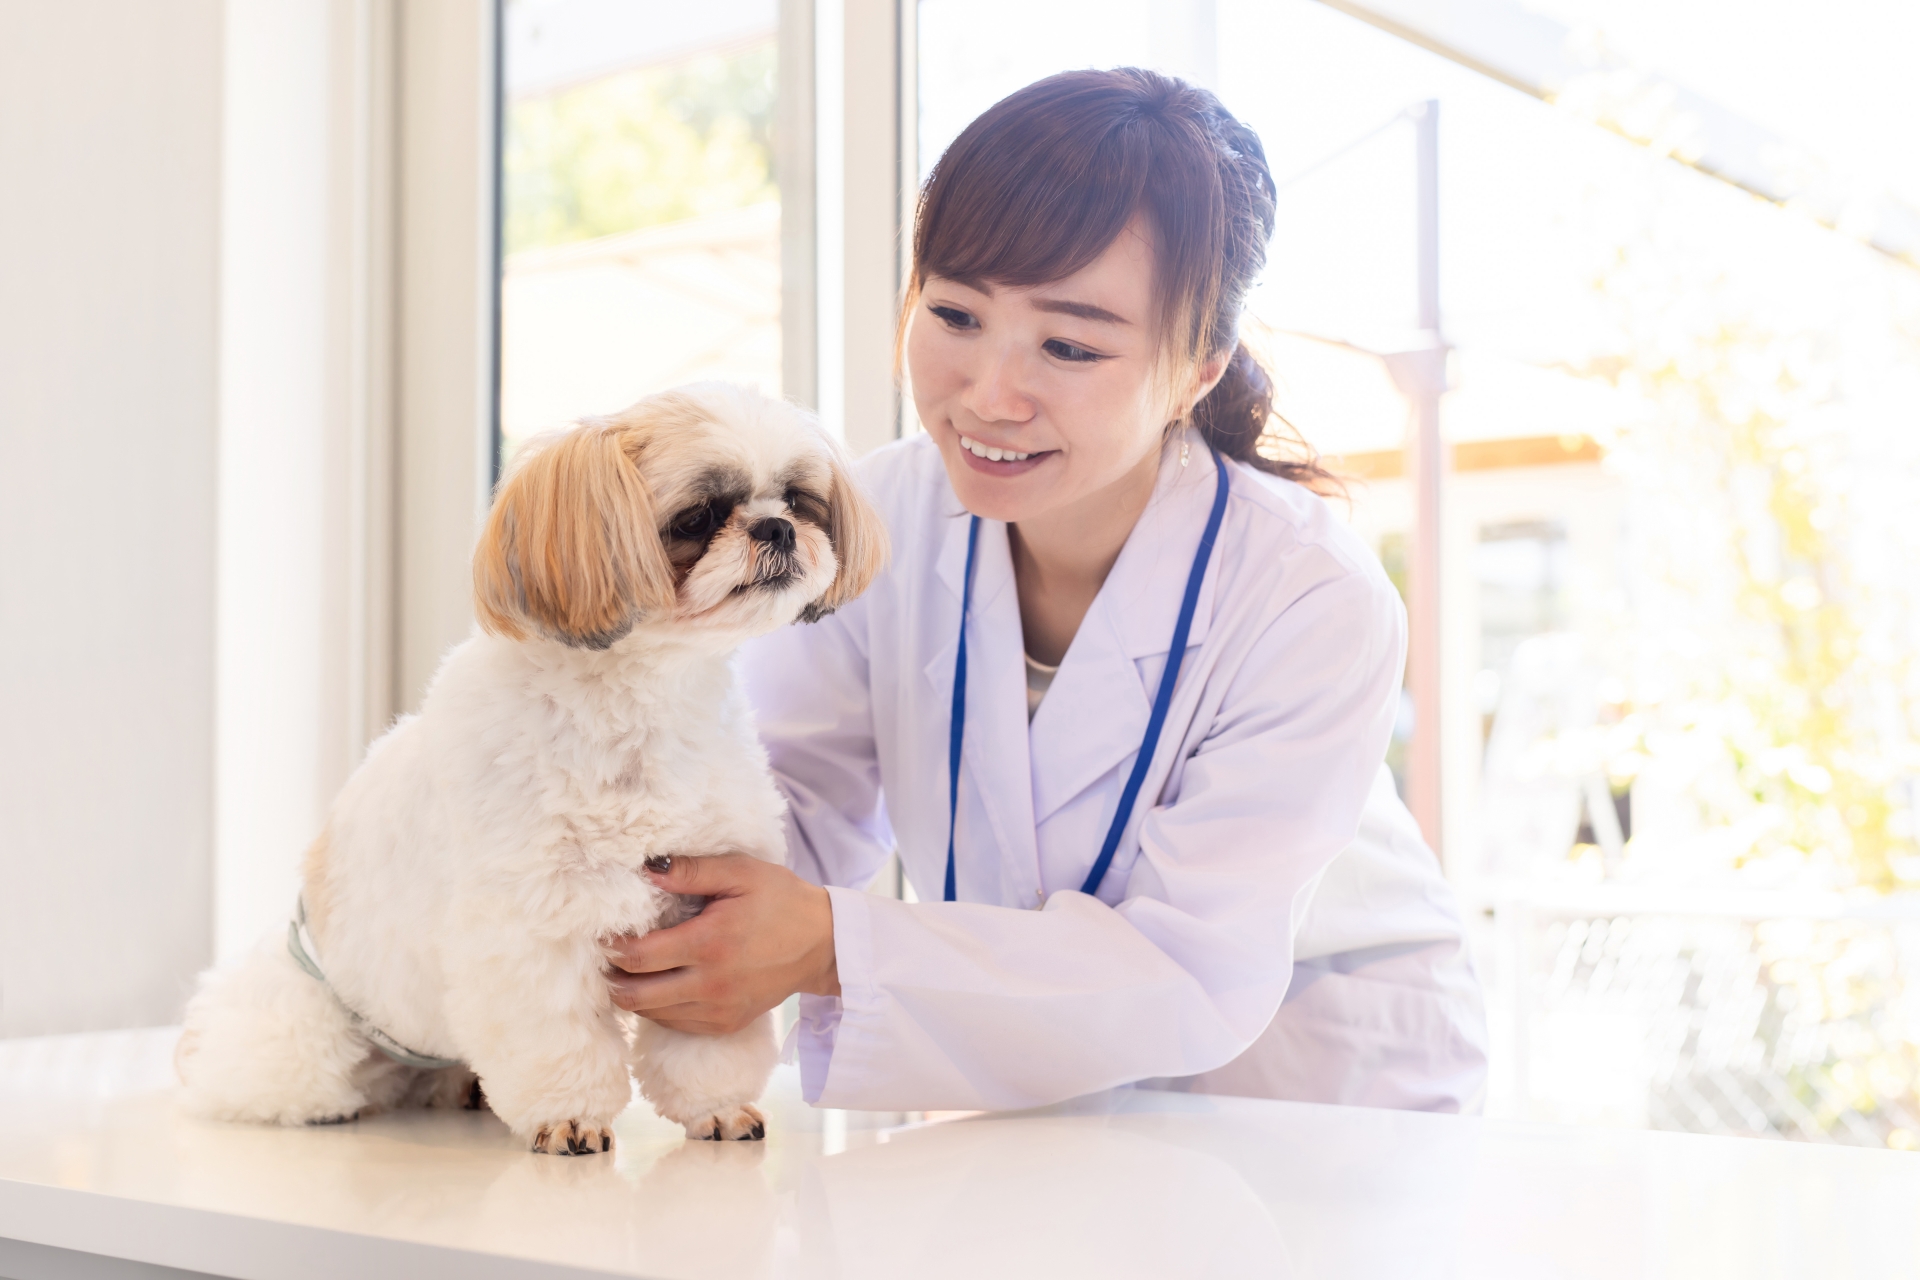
x: 572, y: 1138
x: 346, y: 1118
x: 732, y: 1124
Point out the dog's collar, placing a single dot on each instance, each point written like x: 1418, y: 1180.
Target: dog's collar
x: 300, y: 946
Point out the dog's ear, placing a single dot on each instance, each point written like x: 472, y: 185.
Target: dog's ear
x: 571, y: 547
x: 859, y: 539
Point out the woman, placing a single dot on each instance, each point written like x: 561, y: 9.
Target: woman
x: 1255, y: 912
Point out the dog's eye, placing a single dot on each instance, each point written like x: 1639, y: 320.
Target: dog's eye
x: 806, y: 505
x: 696, y: 524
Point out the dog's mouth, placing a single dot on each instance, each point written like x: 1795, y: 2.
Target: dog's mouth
x: 774, y: 580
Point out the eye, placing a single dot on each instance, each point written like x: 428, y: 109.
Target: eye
x: 1071, y: 354
x: 806, y: 505
x: 697, y: 524
x: 955, y: 318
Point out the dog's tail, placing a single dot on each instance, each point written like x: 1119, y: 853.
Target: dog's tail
x: 264, y: 1042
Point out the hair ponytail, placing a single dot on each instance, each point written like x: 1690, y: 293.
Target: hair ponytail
x: 1237, y: 418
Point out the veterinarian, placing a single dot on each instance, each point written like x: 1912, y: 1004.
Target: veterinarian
x: 1121, y: 699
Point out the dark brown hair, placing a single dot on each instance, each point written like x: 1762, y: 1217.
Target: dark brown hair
x: 1041, y: 184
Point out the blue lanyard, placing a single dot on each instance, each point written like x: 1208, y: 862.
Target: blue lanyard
x: 1161, y: 700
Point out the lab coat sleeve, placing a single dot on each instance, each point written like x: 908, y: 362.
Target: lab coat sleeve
x: 967, y: 1006
x: 809, y: 686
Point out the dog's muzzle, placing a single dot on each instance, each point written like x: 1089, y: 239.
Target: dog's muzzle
x: 776, y: 559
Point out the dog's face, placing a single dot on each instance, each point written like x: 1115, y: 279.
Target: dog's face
x: 711, y: 507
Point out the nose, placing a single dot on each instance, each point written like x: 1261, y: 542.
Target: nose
x: 997, y: 393
x: 774, y: 531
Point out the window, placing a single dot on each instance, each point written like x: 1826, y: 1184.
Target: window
x: 641, y: 229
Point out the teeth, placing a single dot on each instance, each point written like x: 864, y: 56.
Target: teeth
x: 979, y: 450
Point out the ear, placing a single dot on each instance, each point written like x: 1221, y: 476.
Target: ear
x: 1206, y: 376
x: 859, y: 539
x: 571, y: 549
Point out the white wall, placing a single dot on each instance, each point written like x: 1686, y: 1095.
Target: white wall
x: 110, y: 143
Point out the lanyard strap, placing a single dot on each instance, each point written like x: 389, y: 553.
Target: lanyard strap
x: 1162, y: 699
x: 957, y: 726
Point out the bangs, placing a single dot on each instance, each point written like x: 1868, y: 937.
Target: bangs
x: 1047, y: 178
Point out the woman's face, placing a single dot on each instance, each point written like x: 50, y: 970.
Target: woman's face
x: 1043, y: 397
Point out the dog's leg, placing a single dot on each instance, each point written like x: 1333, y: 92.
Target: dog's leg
x: 536, y: 1023
x: 449, y: 1089
x: 707, y: 1083
x: 264, y: 1042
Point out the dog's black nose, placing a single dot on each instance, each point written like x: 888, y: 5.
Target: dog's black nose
x: 772, y: 530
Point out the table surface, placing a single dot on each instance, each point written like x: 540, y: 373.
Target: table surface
x: 94, y: 1157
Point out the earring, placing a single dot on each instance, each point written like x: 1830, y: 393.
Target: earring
x: 1185, y: 447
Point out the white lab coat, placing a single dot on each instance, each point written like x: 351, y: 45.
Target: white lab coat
x: 1267, y: 857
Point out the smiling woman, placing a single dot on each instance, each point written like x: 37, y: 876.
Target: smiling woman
x: 1191, y: 790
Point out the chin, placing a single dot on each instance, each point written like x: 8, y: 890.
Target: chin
x: 448, y: 949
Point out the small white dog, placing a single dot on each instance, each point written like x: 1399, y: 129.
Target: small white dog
x: 456, y: 905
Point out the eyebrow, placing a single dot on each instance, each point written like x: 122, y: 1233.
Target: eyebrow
x: 1083, y: 310
x: 1058, y: 306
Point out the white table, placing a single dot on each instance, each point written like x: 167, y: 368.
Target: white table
x: 99, y: 1177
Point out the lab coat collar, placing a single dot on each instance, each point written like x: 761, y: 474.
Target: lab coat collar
x: 1095, y: 713
x: 1141, y: 596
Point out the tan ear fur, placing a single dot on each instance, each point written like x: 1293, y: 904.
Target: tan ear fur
x: 859, y: 538
x: 571, y: 548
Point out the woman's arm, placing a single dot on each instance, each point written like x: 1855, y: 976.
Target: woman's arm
x: 959, y: 1005
x: 956, y: 1005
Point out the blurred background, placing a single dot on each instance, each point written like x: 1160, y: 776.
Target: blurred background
x: 1610, y: 313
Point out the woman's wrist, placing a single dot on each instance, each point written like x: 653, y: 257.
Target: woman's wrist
x: 823, y: 962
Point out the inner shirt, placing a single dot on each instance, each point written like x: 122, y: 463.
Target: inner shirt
x: 1039, y: 680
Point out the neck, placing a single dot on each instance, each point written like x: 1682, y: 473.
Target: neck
x: 1061, y: 558
x: 633, y: 664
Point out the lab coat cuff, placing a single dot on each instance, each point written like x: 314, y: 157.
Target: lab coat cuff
x: 828, y: 1046
x: 814, y: 1035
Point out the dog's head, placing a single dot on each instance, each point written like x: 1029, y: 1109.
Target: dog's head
x: 710, y: 506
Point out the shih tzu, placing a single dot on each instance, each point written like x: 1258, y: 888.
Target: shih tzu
x: 448, y: 947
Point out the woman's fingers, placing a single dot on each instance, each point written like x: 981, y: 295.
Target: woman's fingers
x: 660, y: 950
x: 649, y: 953
x: 717, y: 875
x: 650, y: 992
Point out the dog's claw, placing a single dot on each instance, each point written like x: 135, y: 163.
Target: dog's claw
x: 735, y: 1124
x: 573, y: 1138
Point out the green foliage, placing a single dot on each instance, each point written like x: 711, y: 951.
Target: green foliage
x: 641, y: 147
x: 1769, y: 649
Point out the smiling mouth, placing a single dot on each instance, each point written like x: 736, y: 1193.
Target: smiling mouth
x: 991, y: 454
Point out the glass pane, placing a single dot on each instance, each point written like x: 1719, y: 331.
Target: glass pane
x: 1680, y: 702
x: 642, y: 217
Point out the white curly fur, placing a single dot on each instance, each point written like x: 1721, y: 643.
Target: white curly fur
x: 474, y: 865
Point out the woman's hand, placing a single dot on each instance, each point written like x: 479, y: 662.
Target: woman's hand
x: 765, y: 934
